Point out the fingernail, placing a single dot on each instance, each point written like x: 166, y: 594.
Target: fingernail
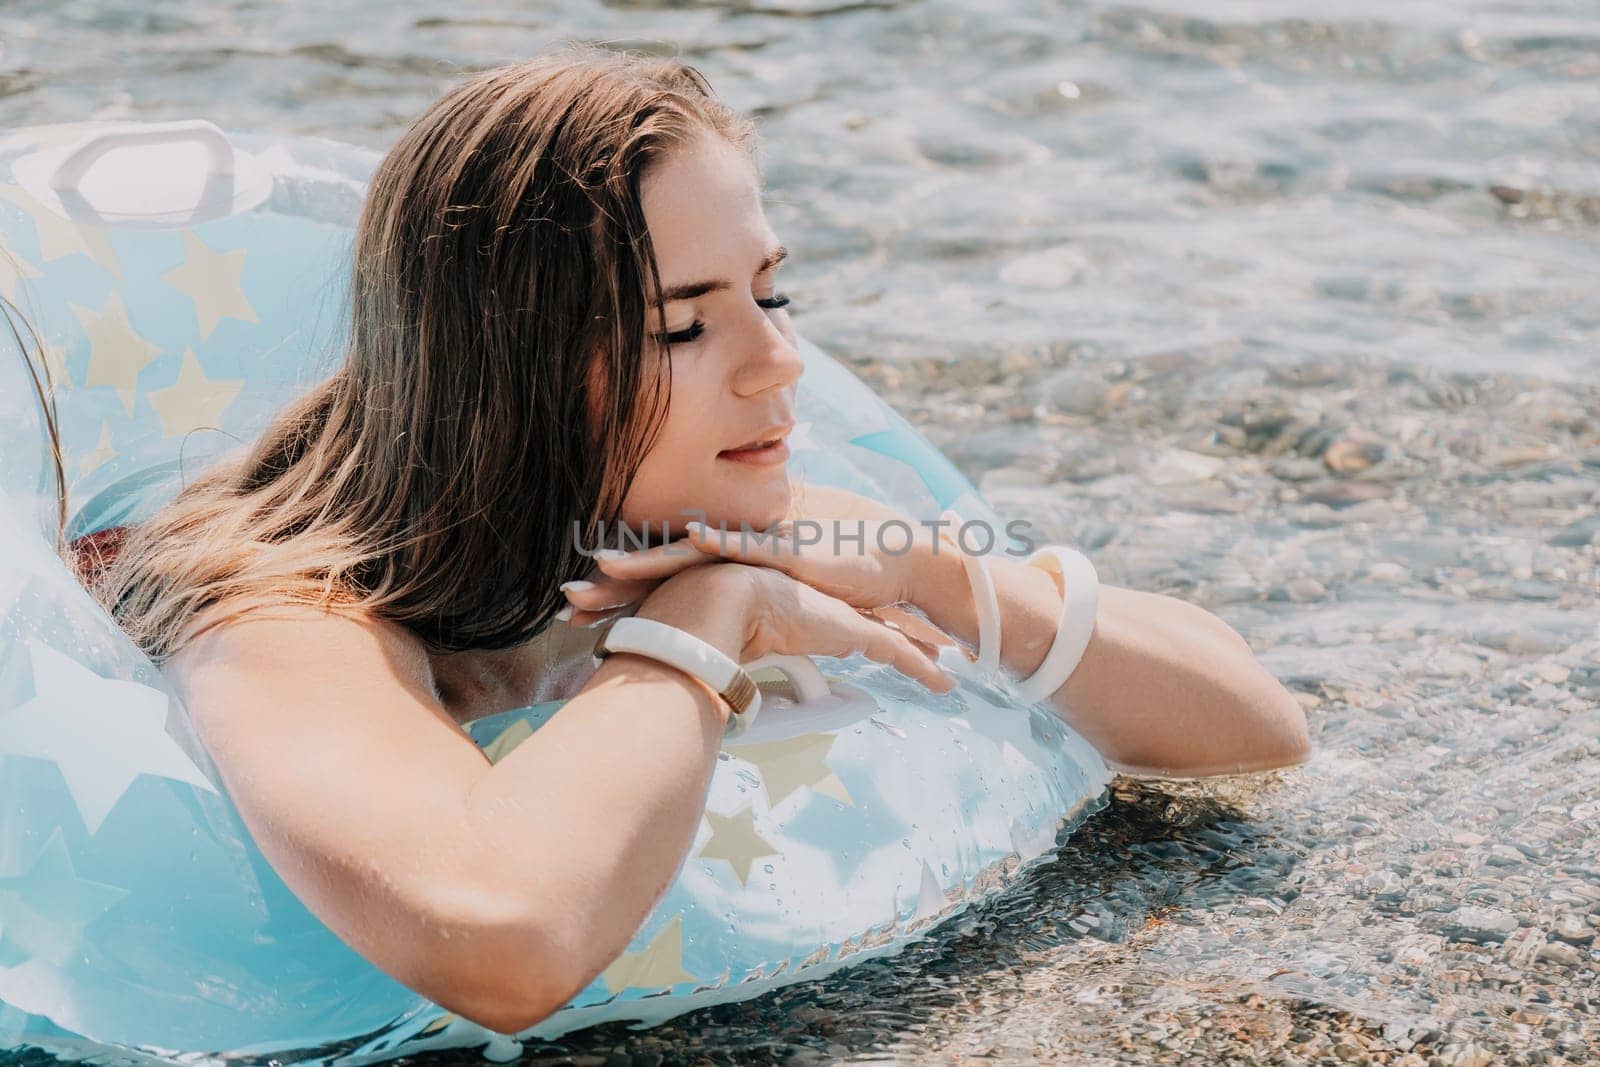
x: 576, y: 587
x: 565, y: 614
x: 610, y: 553
x: 694, y: 528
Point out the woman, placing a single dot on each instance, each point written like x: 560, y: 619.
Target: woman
x: 563, y: 311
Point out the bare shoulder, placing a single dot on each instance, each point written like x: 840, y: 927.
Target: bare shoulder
x: 348, y: 775
x: 296, y: 647
x: 275, y: 684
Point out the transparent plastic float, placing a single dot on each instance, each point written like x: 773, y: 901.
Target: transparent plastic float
x: 188, y: 282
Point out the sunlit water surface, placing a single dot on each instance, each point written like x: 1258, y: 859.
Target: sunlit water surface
x: 1291, y: 315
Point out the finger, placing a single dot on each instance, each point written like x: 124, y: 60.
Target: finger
x: 773, y: 550
x: 605, y: 593
x: 913, y: 626
x: 896, y: 650
x: 925, y: 646
x: 584, y: 619
x: 662, y: 561
x: 764, y: 548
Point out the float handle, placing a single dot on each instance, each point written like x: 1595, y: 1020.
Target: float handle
x: 809, y: 684
x: 70, y: 171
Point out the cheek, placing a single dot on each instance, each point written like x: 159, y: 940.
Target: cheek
x: 676, y: 472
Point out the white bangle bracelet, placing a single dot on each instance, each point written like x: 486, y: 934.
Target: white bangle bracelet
x: 1080, y: 599
x: 691, y: 655
x: 984, y: 601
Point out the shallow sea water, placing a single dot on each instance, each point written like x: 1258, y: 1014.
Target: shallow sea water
x: 1293, y: 315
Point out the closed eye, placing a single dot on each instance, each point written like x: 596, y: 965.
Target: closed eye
x: 693, y: 332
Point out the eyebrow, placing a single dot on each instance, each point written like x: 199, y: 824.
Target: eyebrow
x: 693, y: 289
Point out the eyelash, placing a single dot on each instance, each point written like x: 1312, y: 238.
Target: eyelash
x: 683, y: 337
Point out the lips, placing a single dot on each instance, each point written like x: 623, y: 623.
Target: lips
x: 769, y: 451
x: 766, y: 439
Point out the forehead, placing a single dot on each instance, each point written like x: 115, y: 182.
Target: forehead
x: 702, y: 204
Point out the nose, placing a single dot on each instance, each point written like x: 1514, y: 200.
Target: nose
x: 772, y: 359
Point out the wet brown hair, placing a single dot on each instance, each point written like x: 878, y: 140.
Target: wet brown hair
x: 497, y: 386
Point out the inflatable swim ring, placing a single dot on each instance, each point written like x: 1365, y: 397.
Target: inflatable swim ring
x: 137, y: 919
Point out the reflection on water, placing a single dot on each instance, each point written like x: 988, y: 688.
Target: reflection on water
x: 1294, y: 316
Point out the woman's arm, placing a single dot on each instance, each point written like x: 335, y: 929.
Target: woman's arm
x: 1164, y: 687
x: 498, y: 891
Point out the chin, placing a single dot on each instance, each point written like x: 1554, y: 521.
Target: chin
x: 756, y: 507
x: 721, y: 502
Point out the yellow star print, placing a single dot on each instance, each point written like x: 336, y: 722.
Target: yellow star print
x: 102, y: 452
x: 13, y: 269
x: 193, y: 401
x: 794, y: 762
x: 658, y: 964
x: 60, y: 236
x: 116, y: 351
x: 509, y: 738
x: 212, y: 281
x: 734, y: 838
x: 55, y: 363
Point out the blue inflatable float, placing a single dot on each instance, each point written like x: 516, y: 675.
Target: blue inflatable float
x: 137, y: 919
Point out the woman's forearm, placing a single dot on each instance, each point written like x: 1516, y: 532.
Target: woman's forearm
x: 1163, y: 687
x: 615, y: 785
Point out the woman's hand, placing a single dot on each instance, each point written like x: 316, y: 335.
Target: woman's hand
x: 842, y: 544
x: 749, y: 612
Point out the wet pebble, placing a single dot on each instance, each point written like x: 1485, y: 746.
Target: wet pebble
x: 1537, y: 589
x: 1384, y: 571
x: 1386, y: 885
x: 1343, y: 494
x: 1009, y: 478
x: 1572, y: 929
x: 1304, y: 589
x: 1075, y: 391
x: 1483, y: 925
x: 1467, y: 1055
x: 1505, y: 856
x: 1051, y: 268
x: 1354, y: 452
x: 1580, y: 534
x: 1296, y: 469
x: 1175, y: 466
x: 1559, y: 952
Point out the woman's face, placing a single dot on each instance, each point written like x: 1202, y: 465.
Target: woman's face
x: 735, y: 363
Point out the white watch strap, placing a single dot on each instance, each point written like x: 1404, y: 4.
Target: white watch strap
x: 688, y: 653
x: 1080, y: 588
x: 984, y: 599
